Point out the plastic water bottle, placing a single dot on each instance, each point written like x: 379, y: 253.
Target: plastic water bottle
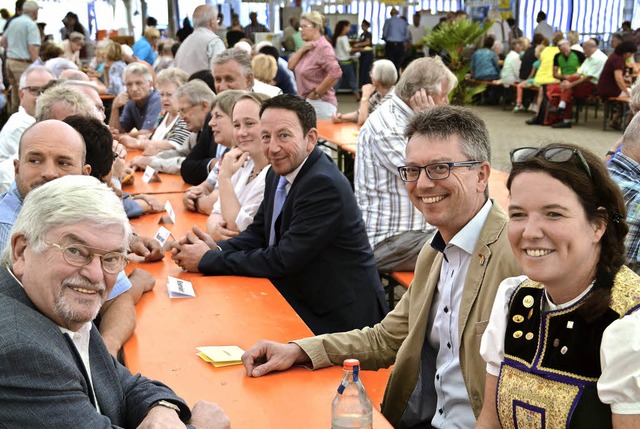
x: 351, y: 408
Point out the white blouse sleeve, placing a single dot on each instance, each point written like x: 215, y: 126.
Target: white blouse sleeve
x: 619, y: 384
x: 492, y: 344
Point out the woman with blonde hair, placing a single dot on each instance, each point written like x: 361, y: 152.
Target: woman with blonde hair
x: 242, y: 172
x: 316, y: 67
x: 168, y: 144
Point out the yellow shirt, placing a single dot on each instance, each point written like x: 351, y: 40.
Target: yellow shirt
x: 544, y: 75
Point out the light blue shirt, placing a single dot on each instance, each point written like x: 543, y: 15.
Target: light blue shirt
x: 10, y: 206
x: 143, y: 50
x: 22, y: 32
x: 396, y: 29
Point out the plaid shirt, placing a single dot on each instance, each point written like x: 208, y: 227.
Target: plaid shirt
x: 381, y: 194
x: 626, y: 173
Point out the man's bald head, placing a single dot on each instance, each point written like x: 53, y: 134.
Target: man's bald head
x: 48, y: 150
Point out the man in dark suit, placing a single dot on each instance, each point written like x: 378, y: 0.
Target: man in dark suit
x: 316, y: 251
x: 67, y: 247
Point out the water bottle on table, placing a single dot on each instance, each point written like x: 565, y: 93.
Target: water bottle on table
x: 351, y: 408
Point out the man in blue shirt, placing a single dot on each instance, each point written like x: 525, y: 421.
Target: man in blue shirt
x: 395, y: 33
x: 141, y: 102
x: 624, y: 168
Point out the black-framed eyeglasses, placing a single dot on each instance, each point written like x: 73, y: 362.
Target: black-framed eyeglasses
x: 34, y: 90
x: 80, y: 255
x: 552, y: 154
x: 435, y: 171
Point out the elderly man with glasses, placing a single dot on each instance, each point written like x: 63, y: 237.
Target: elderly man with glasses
x: 67, y: 247
x: 32, y: 83
x: 432, y: 337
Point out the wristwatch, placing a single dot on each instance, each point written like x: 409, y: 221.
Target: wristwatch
x: 166, y: 404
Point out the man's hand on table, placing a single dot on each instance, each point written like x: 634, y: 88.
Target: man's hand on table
x: 207, y: 415
x: 160, y: 417
x: 147, y: 247
x: 267, y: 356
x: 188, y: 252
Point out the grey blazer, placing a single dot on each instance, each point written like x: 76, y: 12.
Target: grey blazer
x: 42, y: 381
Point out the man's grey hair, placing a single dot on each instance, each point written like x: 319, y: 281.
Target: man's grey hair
x: 32, y: 69
x: 444, y: 122
x: 427, y: 73
x: 631, y: 137
x: 70, y: 97
x: 29, y: 7
x: 385, y: 73
x: 196, y: 92
x: 240, y: 57
x: 203, y: 14
x: 139, y: 69
x: 58, y: 65
x: 66, y: 201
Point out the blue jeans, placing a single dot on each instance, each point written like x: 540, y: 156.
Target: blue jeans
x: 349, y: 75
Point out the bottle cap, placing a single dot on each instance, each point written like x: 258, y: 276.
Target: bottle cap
x: 350, y: 363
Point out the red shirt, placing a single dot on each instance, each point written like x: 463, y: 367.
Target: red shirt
x: 607, y: 86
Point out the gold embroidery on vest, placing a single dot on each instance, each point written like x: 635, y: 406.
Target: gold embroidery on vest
x: 518, y: 407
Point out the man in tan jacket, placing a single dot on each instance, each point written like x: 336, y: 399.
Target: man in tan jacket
x: 439, y: 382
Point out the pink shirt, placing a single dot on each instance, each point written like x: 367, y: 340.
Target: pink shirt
x: 317, y: 64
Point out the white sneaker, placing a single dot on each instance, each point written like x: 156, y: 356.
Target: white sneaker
x: 518, y: 108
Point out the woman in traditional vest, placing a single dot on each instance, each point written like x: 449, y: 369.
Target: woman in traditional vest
x: 562, y: 345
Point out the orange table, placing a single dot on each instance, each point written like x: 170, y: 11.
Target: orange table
x: 170, y: 183
x: 345, y: 133
x: 229, y: 310
x: 344, y: 137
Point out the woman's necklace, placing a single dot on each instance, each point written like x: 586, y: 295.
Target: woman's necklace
x: 254, y: 174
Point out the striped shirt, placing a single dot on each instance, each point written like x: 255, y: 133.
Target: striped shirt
x: 626, y: 173
x: 381, y: 195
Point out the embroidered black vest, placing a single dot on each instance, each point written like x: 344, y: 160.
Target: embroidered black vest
x: 552, y: 359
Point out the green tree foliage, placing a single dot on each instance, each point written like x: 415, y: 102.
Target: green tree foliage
x: 449, y: 40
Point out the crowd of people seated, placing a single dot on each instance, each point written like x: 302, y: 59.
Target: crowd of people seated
x: 485, y: 337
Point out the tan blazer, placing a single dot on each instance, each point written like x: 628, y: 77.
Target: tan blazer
x: 399, y: 337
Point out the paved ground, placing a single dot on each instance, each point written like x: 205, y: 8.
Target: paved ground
x: 508, y: 130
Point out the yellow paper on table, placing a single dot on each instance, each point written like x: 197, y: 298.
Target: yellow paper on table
x: 221, y: 356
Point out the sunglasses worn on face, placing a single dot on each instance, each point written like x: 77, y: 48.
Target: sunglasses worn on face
x: 553, y: 154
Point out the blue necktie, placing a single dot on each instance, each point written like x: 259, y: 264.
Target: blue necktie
x: 278, y: 202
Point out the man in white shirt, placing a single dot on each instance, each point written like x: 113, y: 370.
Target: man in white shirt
x: 543, y: 27
x: 396, y: 230
x: 417, y: 32
x: 32, y: 82
x: 198, y: 50
x: 510, y: 72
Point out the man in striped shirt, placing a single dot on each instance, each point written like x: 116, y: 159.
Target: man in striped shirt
x: 396, y: 230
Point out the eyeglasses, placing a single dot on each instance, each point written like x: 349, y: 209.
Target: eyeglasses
x: 435, y: 171
x: 166, y: 94
x: 552, y: 154
x: 307, y: 26
x: 184, y: 110
x: 34, y: 90
x: 80, y: 255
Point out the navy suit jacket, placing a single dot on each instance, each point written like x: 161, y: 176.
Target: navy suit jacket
x: 321, y: 262
x: 44, y: 384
